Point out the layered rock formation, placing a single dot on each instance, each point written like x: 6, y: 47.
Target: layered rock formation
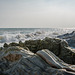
x: 16, y: 60
x: 37, y: 57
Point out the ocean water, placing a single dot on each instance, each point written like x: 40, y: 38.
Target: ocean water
x: 8, y: 35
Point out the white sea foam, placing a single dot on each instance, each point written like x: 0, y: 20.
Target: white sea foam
x: 15, y: 35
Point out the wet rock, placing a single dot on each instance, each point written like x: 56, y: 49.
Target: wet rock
x: 21, y: 44
x: 13, y: 44
x: 38, y: 33
x: 6, y: 45
x: 29, y: 35
x: 69, y: 37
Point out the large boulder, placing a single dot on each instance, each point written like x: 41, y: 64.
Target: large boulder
x: 52, y: 44
x: 57, y: 46
x: 19, y: 61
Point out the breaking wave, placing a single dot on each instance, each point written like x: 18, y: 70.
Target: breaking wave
x: 21, y: 34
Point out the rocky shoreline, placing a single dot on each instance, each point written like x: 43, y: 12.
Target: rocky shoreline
x: 50, y: 56
x: 69, y: 37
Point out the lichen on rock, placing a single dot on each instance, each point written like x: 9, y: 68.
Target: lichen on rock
x: 13, y: 57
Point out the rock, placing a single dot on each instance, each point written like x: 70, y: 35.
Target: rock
x: 13, y: 44
x: 13, y: 57
x: 6, y: 45
x: 21, y: 44
x: 38, y: 33
x: 47, y: 43
x: 57, y: 46
x: 68, y: 55
x: 29, y: 35
x: 1, y: 48
x: 29, y: 63
x: 1, y: 73
x: 53, y: 60
x: 69, y: 37
x: 19, y: 36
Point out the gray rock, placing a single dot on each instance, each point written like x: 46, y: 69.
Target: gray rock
x: 29, y: 63
x: 70, y: 38
x: 53, y: 60
x: 59, y: 47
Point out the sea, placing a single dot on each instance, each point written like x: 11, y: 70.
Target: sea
x: 8, y: 35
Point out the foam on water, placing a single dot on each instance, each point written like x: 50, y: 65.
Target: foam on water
x: 8, y: 35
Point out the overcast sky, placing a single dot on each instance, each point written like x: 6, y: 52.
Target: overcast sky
x: 37, y: 13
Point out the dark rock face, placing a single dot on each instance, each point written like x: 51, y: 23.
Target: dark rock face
x: 57, y: 46
x: 48, y: 43
x: 6, y: 45
x: 13, y: 44
x: 28, y: 63
x: 70, y: 38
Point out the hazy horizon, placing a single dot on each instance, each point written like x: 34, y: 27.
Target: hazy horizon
x: 37, y: 13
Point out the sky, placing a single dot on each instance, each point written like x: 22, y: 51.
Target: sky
x: 37, y: 13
